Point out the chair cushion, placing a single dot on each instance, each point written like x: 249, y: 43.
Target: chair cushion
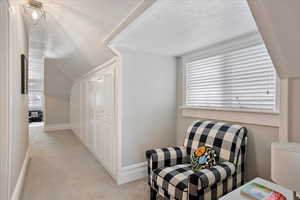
x: 175, y: 180
x: 209, y: 176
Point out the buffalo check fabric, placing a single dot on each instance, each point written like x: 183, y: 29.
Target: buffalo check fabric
x: 175, y: 180
x: 226, y: 139
x: 165, y: 157
x: 208, y: 177
x: 171, y: 175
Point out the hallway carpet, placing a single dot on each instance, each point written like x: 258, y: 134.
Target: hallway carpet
x: 61, y: 168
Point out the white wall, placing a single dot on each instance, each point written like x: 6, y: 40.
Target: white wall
x: 294, y: 110
x: 4, y: 92
x: 278, y: 22
x: 148, y: 103
x: 18, y: 110
x: 57, y: 94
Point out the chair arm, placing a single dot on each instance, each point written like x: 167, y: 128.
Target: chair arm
x: 165, y: 157
x: 210, y: 176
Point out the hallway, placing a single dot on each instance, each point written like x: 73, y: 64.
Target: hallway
x: 61, y: 168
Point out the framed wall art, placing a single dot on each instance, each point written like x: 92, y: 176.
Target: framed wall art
x: 24, y: 74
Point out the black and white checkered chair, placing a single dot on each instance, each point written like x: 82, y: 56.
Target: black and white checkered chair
x: 170, y: 173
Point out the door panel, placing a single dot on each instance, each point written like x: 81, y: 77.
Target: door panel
x: 109, y: 94
x: 91, y: 116
x: 108, y: 146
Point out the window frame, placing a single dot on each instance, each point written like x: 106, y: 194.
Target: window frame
x: 232, y: 45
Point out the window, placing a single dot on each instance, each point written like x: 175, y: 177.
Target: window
x: 243, y: 79
x: 35, y: 100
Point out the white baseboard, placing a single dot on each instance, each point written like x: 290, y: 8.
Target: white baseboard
x: 20, y: 182
x: 132, y: 173
x: 56, y: 127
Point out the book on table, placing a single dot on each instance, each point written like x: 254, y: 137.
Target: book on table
x: 260, y: 192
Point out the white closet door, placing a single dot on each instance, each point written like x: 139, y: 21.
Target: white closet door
x: 109, y: 97
x: 108, y: 147
x: 81, y: 116
x: 108, y: 119
x: 97, y: 116
x: 91, y: 116
x: 86, y: 114
x: 99, y: 94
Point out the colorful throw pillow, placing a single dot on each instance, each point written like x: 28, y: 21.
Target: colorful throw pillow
x: 203, y: 157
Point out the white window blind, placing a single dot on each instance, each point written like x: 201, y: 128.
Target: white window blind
x: 240, y: 79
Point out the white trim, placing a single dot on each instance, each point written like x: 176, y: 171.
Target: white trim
x: 57, y: 127
x: 21, y: 179
x: 133, y: 14
x: 119, y: 92
x: 100, y: 67
x: 231, y: 110
x: 257, y: 118
x: 118, y: 110
x: 132, y: 172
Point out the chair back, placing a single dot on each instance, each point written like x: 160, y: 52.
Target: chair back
x: 226, y: 139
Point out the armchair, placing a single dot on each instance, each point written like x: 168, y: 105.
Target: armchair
x: 170, y: 174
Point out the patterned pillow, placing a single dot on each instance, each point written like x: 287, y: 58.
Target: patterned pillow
x: 203, y: 157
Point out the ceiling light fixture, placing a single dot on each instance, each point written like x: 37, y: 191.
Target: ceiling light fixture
x: 34, y: 15
x: 35, y: 10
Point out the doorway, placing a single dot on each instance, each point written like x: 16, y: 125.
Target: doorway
x: 36, y: 104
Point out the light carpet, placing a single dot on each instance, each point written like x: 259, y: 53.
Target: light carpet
x: 61, y: 168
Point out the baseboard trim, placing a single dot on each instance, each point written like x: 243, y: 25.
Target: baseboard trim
x: 56, y: 127
x: 132, y: 172
x: 20, y: 182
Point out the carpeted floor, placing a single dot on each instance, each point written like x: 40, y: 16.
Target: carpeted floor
x: 62, y: 169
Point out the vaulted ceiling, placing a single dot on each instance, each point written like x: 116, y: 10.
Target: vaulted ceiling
x: 74, y: 31
x: 176, y: 27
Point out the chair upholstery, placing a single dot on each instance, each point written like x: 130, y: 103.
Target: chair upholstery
x: 170, y: 173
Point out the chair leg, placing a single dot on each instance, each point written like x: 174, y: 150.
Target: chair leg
x: 153, y: 194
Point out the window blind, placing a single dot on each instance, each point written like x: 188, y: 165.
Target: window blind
x: 240, y: 79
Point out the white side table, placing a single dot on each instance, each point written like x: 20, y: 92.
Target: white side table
x: 236, y: 194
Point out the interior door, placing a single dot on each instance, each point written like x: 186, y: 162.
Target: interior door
x: 81, y: 114
x: 99, y: 140
x: 98, y: 116
x: 104, y: 118
x: 91, y: 116
x: 109, y: 118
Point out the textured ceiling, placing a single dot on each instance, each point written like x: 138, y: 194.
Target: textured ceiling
x: 173, y: 27
x: 73, y: 32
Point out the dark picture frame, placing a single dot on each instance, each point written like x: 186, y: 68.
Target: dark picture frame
x: 24, y: 74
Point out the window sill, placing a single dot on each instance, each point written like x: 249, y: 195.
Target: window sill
x: 231, y: 110
x: 263, y: 118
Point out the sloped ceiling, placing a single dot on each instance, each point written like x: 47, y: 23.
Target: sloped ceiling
x: 74, y: 31
x: 278, y: 22
x: 176, y: 27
